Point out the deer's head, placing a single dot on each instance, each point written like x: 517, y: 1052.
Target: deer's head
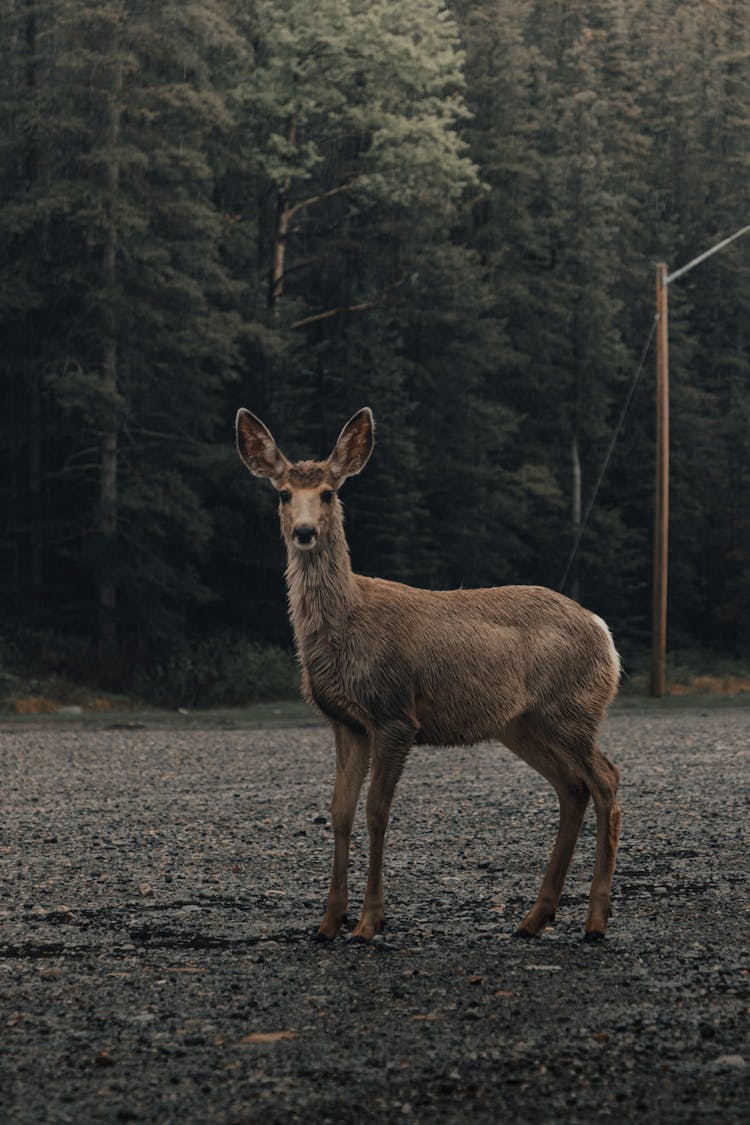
x: 307, y: 490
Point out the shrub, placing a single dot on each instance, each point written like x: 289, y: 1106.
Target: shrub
x: 220, y: 671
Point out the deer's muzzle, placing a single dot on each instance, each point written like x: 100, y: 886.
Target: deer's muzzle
x: 305, y: 535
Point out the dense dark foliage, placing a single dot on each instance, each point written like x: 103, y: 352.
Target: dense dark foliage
x: 451, y: 214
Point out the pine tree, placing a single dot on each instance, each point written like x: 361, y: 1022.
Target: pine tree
x: 142, y: 304
x: 358, y: 104
x: 708, y: 68
x: 357, y: 107
x: 546, y: 88
x: 450, y: 215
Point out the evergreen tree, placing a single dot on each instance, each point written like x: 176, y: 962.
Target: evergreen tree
x: 708, y: 82
x: 361, y: 170
x: 547, y: 87
x: 141, y: 306
x: 451, y: 215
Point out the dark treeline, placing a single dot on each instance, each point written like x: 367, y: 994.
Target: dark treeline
x: 450, y: 214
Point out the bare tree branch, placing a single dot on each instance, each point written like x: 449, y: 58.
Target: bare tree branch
x: 290, y: 212
x: 381, y: 300
x: 335, y: 312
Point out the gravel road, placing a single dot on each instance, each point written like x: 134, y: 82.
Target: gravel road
x: 160, y: 886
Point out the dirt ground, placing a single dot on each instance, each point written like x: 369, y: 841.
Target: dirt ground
x: 160, y: 887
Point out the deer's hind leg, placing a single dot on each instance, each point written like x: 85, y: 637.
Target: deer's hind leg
x: 573, y: 796
x: 352, y: 763
x: 601, y: 778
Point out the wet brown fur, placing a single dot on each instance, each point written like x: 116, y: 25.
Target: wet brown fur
x: 392, y: 666
x: 306, y: 474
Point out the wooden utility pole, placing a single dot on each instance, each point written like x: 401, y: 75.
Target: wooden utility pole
x: 658, y: 685
x: 661, y: 505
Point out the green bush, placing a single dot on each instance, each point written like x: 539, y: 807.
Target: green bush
x: 46, y: 663
x: 220, y: 672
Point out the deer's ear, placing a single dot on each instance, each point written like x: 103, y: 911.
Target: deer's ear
x: 354, y: 446
x: 257, y: 448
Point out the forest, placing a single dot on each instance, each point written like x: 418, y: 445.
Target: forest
x: 448, y: 212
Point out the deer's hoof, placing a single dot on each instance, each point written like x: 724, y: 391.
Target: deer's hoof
x: 594, y: 935
x: 522, y: 932
x: 364, y: 932
x: 321, y: 938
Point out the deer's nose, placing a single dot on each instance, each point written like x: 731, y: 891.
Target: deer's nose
x: 304, y: 533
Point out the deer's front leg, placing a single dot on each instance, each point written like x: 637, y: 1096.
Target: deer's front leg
x: 388, y: 758
x: 352, y: 761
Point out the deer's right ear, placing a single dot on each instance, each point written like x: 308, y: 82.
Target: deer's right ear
x: 257, y: 448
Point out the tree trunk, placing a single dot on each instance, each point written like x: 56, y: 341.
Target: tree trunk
x: 33, y: 378
x: 36, y: 574
x: 576, y: 512
x: 108, y: 495
x: 283, y: 215
x: 285, y: 212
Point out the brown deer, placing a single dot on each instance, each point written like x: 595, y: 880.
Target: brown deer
x: 391, y: 666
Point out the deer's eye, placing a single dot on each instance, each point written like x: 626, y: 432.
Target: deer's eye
x: 327, y: 495
x: 284, y: 495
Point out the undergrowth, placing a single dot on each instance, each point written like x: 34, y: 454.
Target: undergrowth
x: 44, y: 673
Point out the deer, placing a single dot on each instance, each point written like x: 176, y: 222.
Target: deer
x: 391, y: 666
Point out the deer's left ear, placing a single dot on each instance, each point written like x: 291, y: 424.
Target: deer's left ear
x: 354, y: 446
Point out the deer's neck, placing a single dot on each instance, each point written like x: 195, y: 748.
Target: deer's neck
x: 321, y: 589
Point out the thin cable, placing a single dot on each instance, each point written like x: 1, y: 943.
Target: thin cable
x: 706, y: 254
x: 608, y: 457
